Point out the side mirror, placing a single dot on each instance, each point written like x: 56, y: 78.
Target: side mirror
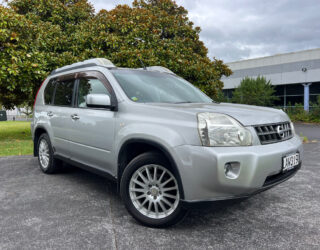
x: 98, y: 101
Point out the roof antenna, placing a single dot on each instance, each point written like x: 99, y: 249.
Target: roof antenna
x: 137, y: 40
x: 142, y: 64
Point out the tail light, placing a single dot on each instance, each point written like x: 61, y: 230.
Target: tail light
x: 35, y: 100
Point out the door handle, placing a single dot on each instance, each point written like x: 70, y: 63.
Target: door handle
x: 75, y: 117
x: 50, y: 113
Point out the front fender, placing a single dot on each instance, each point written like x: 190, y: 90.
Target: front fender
x: 164, y: 139
x: 160, y: 134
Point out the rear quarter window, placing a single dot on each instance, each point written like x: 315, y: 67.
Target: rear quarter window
x: 48, y: 92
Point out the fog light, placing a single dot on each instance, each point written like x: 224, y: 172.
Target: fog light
x: 232, y: 170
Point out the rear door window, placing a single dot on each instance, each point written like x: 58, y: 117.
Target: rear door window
x: 64, y: 93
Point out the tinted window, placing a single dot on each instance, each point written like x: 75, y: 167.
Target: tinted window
x: 89, y: 86
x: 48, y: 92
x: 64, y: 91
x: 147, y: 86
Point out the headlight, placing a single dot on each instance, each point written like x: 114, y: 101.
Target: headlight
x: 222, y: 130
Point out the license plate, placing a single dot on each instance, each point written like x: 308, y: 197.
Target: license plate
x: 290, y: 162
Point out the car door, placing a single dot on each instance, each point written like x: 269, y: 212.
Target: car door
x: 59, y: 115
x: 93, y: 130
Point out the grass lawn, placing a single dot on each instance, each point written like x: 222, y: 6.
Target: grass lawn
x: 15, y: 138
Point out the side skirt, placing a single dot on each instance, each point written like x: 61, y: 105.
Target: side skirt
x: 87, y: 168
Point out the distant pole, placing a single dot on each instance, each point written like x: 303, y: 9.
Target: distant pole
x: 306, y: 96
x: 285, y: 96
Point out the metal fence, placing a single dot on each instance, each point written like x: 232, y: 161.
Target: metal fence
x: 16, y: 114
x: 18, y: 118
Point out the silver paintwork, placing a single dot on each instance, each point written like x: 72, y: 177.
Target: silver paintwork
x: 203, y: 168
x: 154, y: 191
x: 96, y: 138
x: 98, y: 100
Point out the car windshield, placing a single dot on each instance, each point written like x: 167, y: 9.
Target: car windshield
x: 149, y: 86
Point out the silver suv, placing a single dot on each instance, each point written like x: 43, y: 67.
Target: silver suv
x: 166, y: 143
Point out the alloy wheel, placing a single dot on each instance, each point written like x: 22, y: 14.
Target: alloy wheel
x: 44, y: 153
x: 154, y: 191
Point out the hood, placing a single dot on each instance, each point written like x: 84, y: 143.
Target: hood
x: 246, y: 114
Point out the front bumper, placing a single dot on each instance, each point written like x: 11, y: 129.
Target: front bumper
x: 203, y: 176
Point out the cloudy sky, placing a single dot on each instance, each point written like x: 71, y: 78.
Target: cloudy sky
x: 240, y: 29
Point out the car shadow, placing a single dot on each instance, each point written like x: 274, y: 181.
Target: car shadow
x: 203, y: 215
x: 97, y: 182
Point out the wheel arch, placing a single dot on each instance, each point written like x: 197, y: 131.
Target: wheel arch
x: 37, y: 133
x: 145, y: 145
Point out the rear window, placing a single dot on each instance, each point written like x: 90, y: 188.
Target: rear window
x: 64, y: 93
x: 48, y: 92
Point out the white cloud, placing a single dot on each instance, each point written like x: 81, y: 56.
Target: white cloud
x: 241, y: 29
x: 108, y: 4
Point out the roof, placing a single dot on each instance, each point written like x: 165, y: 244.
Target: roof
x: 104, y: 63
x: 87, y: 63
x: 304, y: 55
x: 288, y: 68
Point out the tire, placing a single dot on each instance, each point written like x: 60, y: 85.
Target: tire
x: 48, y: 164
x: 159, y: 204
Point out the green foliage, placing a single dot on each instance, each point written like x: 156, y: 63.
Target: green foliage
x: 39, y: 36
x: 34, y: 40
x: 158, y: 32
x: 304, y: 138
x: 253, y: 91
x: 298, y: 114
x: 220, y: 97
x: 65, y: 14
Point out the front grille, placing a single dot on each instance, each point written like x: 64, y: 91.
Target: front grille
x: 272, y: 133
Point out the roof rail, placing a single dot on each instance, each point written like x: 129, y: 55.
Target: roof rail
x: 87, y: 63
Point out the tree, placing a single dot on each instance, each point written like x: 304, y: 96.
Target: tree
x: 25, y: 109
x: 39, y: 36
x: 160, y: 33
x: 34, y: 40
x: 253, y: 91
x: 221, y: 97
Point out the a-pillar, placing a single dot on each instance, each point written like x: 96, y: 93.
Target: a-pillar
x: 306, y: 96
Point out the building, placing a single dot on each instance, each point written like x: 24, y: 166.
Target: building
x: 17, y: 114
x: 296, y: 76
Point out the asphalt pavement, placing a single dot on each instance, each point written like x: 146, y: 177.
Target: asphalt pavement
x: 311, y: 131
x: 75, y: 209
